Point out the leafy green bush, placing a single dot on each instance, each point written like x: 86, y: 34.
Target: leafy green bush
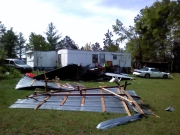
x: 3, y: 69
x: 2, y: 55
x: 9, y: 73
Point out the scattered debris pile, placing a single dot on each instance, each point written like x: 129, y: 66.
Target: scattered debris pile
x: 75, y: 72
x: 68, y: 72
x: 113, y: 99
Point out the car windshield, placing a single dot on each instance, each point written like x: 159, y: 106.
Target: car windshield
x: 144, y: 69
x: 154, y: 70
x: 19, y: 62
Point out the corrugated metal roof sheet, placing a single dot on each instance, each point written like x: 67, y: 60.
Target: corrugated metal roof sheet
x: 112, y: 103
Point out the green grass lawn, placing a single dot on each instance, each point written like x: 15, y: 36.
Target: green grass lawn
x: 158, y: 94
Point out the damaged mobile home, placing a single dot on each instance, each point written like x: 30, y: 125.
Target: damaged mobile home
x: 121, y: 62
x: 76, y: 72
x: 95, y: 58
x: 92, y: 63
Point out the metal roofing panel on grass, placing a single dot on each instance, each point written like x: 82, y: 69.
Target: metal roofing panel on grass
x: 73, y: 103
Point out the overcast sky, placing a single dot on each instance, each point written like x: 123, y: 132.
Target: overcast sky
x: 84, y: 21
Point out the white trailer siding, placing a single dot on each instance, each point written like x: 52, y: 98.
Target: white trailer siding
x: 123, y: 59
x: 86, y: 58
x: 64, y: 58
x: 79, y: 57
x: 42, y: 59
x: 30, y: 58
x: 45, y: 59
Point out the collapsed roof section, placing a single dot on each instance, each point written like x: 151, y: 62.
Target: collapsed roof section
x: 94, y: 100
x: 28, y: 83
x: 77, y: 97
x: 115, y: 99
x: 68, y: 72
x: 75, y: 72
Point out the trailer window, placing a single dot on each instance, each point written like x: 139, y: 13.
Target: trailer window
x: 95, y: 58
x: 102, y: 58
x: 114, y: 57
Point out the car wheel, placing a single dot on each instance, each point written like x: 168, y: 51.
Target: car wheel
x: 165, y: 76
x: 147, y: 75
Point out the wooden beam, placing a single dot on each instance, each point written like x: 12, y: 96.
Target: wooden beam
x: 32, y: 82
x: 68, y: 84
x: 102, y: 101
x: 32, y: 98
x: 125, y: 85
x: 52, y: 93
x: 65, y: 98
x: 59, y: 85
x: 45, y: 79
x: 124, y: 103
x: 64, y: 86
x: 129, y: 97
x: 83, y: 99
x: 134, y: 102
x: 42, y: 102
x: 122, y: 98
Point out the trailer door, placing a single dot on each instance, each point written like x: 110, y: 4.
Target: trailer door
x: 102, y: 58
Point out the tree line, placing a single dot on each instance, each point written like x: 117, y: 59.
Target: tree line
x: 155, y: 37
x: 14, y: 45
